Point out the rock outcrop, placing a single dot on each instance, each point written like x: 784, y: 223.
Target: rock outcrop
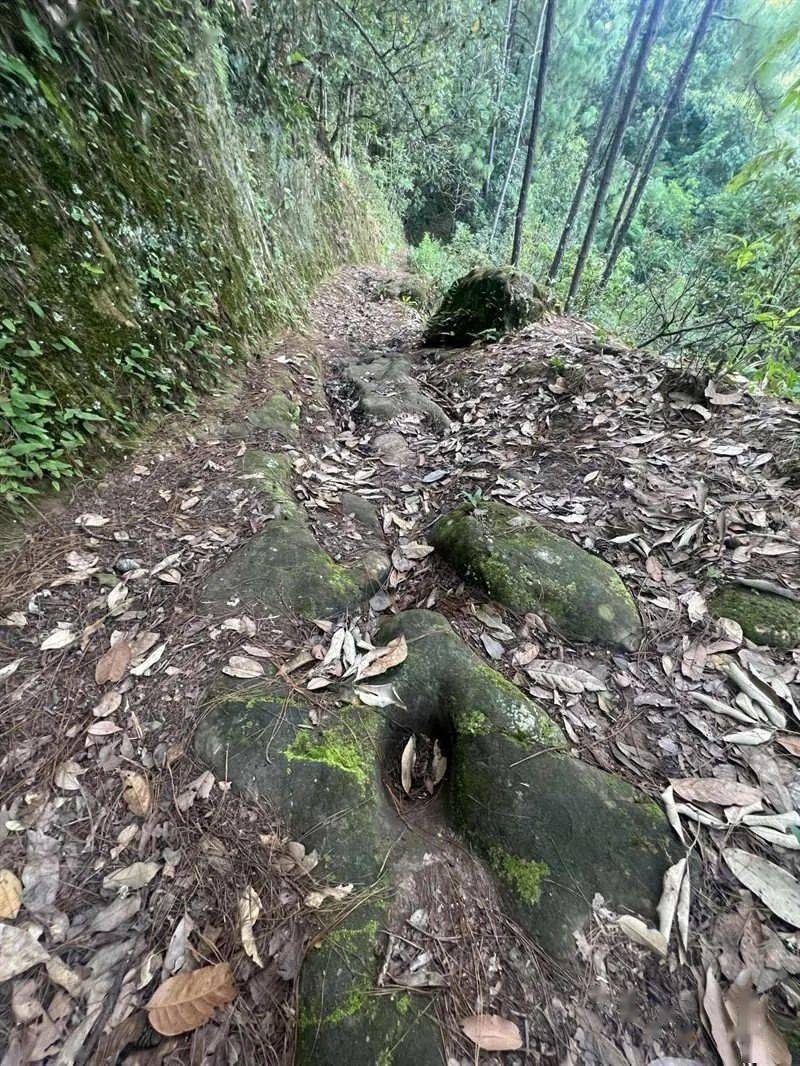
x: 526, y: 567
x: 283, y: 569
x: 764, y: 617
x: 485, y: 304
x: 553, y: 829
x: 386, y: 387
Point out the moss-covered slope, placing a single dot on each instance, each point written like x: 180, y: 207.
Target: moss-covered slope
x: 164, y: 204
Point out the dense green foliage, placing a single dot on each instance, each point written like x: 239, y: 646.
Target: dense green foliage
x: 176, y: 174
x: 164, y: 204
x: 710, y: 265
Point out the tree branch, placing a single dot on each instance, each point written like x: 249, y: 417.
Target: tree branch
x: 373, y: 48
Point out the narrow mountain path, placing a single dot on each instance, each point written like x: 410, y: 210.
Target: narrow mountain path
x: 272, y: 561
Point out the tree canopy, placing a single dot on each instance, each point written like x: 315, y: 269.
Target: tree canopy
x: 437, y: 98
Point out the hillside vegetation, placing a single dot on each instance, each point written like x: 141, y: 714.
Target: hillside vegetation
x: 165, y: 206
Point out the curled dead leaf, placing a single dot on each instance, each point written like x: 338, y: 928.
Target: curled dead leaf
x: 640, y: 933
x: 407, y: 763
x: 136, y: 794
x: 379, y: 660
x: 249, y: 910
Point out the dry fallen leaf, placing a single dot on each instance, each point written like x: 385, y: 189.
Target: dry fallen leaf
x: 379, y: 660
x: 107, y: 704
x: 492, y: 1033
x: 249, y: 910
x: 717, y: 790
x: 243, y: 667
x: 117, y: 596
x: 790, y: 744
x: 317, y: 898
x: 91, y: 521
x: 67, y: 774
x: 378, y: 696
x: 19, y: 951
x: 757, y: 1038
x: 719, y: 1021
x: 187, y: 1001
x: 136, y: 794
x: 773, y: 885
x: 10, y: 894
x: 407, y: 763
x: 9, y: 669
x: 59, y: 638
x: 638, y: 931
x: 668, y: 904
x: 137, y: 875
x: 112, y: 666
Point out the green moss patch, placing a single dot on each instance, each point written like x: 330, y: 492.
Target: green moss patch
x: 526, y: 567
x: 764, y: 617
x: 523, y: 875
x: 334, y: 747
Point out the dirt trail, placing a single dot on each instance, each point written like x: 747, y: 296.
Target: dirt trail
x: 678, y: 485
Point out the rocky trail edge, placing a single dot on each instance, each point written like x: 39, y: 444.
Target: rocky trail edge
x: 405, y: 687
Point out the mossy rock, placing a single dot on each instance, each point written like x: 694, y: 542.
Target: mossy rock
x: 485, y: 304
x: 527, y: 568
x: 408, y: 288
x: 278, y: 413
x: 363, y: 513
x: 325, y: 783
x: 764, y: 617
x: 386, y: 387
x: 283, y: 569
x: 345, y: 1019
x: 448, y: 688
x: 554, y: 829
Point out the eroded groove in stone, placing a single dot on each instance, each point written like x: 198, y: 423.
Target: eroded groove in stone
x: 554, y: 829
x: 528, y: 568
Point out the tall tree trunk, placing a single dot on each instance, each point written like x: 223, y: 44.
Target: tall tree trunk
x: 523, y: 112
x: 536, y: 117
x: 616, y: 141
x: 670, y: 106
x: 498, y: 94
x: 594, y: 147
x: 635, y: 172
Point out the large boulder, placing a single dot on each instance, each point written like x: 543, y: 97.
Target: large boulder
x: 554, y: 830
x: 764, y: 617
x: 284, y: 569
x: 526, y: 567
x: 485, y: 304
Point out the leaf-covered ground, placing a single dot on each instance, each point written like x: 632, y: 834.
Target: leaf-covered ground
x: 125, y: 863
